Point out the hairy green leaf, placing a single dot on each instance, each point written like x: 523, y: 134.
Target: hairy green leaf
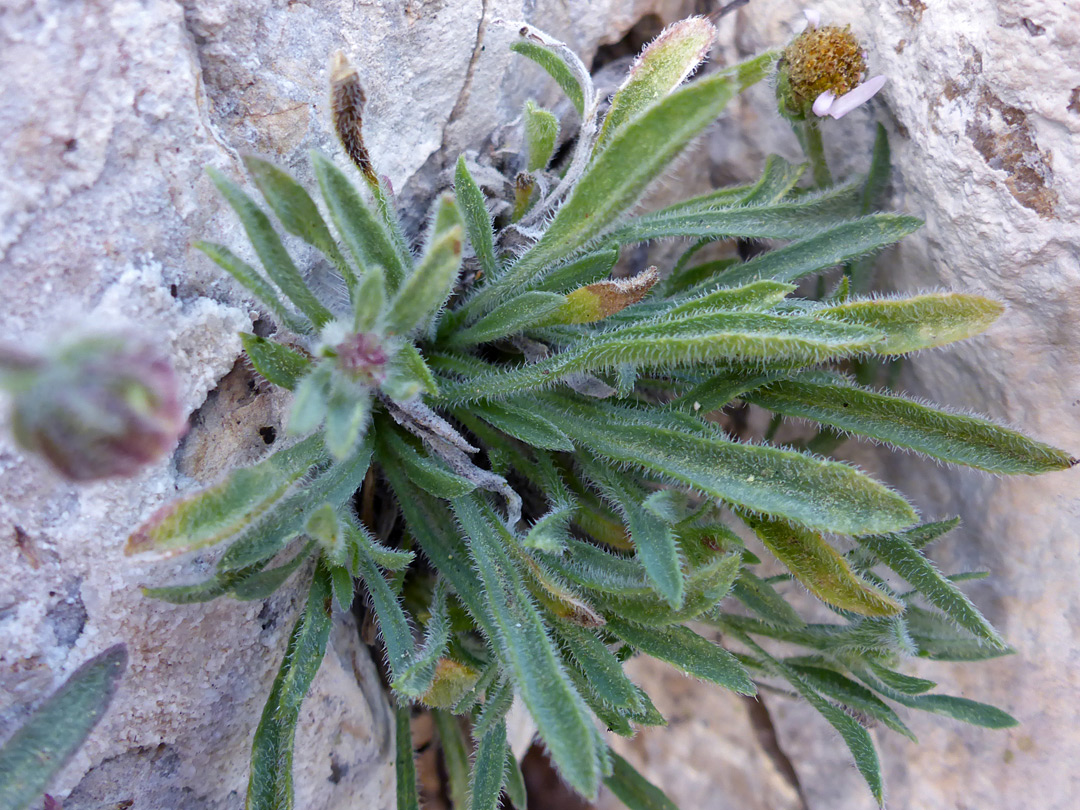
x: 919, y: 322
x: 297, y: 212
x: 404, y: 765
x: 270, y: 786
x: 687, y: 651
x: 951, y: 437
x: 527, y: 651
x: 525, y: 424
x: 510, y: 318
x: 431, y: 283
x: 634, y: 790
x: 823, y: 495
x: 821, y: 568
x: 227, y: 508
x: 556, y: 68
x: 474, y: 212
x: 52, y: 734
x: 271, y: 251
x: 489, y: 769
x: 287, y: 518
x: 541, y: 136
x: 275, y: 361
x: 358, y: 226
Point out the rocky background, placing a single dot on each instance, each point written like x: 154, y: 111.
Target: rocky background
x: 110, y: 112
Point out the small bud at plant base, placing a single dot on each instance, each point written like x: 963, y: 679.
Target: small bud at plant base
x: 99, y: 408
x: 821, y: 73
x: 363, y: 357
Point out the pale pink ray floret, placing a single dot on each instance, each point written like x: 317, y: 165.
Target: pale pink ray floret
x: 828, y: 103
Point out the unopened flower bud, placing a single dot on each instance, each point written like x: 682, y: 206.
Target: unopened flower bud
x: 99, y: 408
x: 363, y: 356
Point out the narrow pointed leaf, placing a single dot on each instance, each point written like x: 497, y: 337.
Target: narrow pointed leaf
x: 853, y: 695
x: 821, y: 568
x: 541, y: 136
x: 686, y: 650
x: 52, y: 734
x: 515, y: 782
x: 489, y: 769
x: 470, y: 201
x: 556, y: 68
x: 252, y: 280
x: 756, y: 295
x: 589, y: 268
x: 221, y: 511
x: 600, y: 667
x: 510, y: 318
x: 427, y: 472
x: 906, y: 561
x: 275, y: 361
x: 823, y: 495
x: 270, y: 786
x: 617, y: 177
x: 265, y: 538
x: 939, y: 639
x: 834, y: 245
x: 664, y: 64
x: 634, y: 790
x: 919, y: 322
x: 951, y: 437
x: 654, y: 540
x: 529, y: 653
x: 357, y: 224
x: 523, y: 424
x: 856, y: 737
x: 695, y: 339
x: 309, y: 401
x: 279, y: 266
x: 431, y: 283
x: 262, y: 584
x: 369, y: 299
x: 297, y: 212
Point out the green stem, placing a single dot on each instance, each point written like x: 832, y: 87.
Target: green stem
x: 810, y: 138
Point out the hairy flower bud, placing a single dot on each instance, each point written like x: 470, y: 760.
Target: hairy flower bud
x: 102, y: 407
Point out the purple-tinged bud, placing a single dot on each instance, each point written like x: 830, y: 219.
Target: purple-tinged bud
x: 102, y: 407
x: 363, y: 356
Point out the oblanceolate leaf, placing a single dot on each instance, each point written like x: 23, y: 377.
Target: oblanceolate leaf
x: 951, y: 437
x: 687, y: 340
x: 855, y: 696
x: 404, y: 765
x: 52, y: 734
x: 515, y: 419
x: 279, y: 266
x: 359, y: 227
x: 253, y: 281
x: 297, y: 212
x: 589, y: 268
x: 600, y: 666
x: 275, y: 361
x: 474, y: 212
x: 556, y: 68
x: 637, y: 153
x: 662, y: 66
x: 416, y: 678
x: 227, y: 508
x: 654, y: 540
x: 821, y: 568
x: 510, y: 318
x: 541, y: 136
x: 287, y: 518
x: 427, y: 472
x: 433, y: 280
x: 263, y: 583
x: 905, y: 560
x: 856, y: 737
x: 918, y: 322
x: 270, y: 786
x: 825, y: 495
x: 683, y: 648
x: 633, y: 789
x: 489, y: 769
x: 528, y: 652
